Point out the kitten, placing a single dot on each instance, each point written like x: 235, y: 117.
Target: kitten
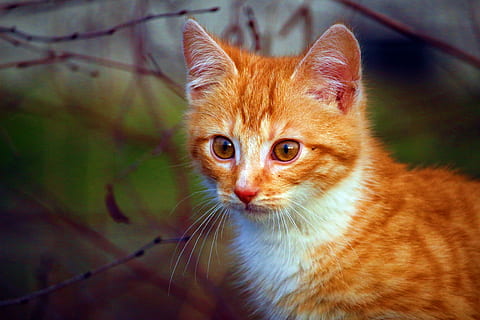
x: 328, y: 226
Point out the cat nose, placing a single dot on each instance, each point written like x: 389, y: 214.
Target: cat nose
x: 245, y: 195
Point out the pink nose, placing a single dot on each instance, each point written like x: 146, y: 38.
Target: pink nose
x: 245, y: 195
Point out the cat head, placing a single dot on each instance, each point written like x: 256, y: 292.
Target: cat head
x: 271, y: 133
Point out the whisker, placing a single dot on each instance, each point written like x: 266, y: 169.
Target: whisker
x: 188, y: 197
x: 288, y: 215
x: 185, y: 164
x: 201, y: 228
x: 228, y: 213
x: 206, y: 214
x: 221, y: 216
x: 225, y: 215
x: 298, y: 207
x: 286, y: 248
x: 207, y: 233
x: 202, y: 205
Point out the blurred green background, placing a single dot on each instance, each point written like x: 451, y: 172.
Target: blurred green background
x: 71, y: 127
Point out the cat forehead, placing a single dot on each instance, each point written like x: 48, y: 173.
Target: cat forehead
x: 264, y: 129
x: 259, y: 113
x: 261, y: 93
x: 261, y: 101
x: 258, y: 120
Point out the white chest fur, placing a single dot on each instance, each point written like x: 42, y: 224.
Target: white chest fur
x: 273, y: 257
x: 270, y: 265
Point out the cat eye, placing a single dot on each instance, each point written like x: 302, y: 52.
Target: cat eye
x: 223, y: 148
x: 285, y: 150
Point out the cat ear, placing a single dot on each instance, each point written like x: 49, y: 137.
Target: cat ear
x: 206, y: 61
x: 331, y: 68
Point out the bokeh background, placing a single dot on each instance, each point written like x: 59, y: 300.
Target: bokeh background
x: 91, y: 137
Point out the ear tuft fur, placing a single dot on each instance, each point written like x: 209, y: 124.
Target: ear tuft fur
x: 207, y: 63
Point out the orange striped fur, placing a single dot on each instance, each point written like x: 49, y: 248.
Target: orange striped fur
x: 340, y: 231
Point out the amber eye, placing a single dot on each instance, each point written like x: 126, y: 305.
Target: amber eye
x: 223, y: 147
x: 285, y: 150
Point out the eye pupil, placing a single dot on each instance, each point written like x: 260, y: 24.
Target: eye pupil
x: 225, y: 145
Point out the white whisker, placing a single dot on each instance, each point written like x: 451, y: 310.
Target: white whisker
x: 227, y: 214
x: 206, y: 234
x: 221, y: 216
x: 205, y: 216
x: 188, y: 197
x: 210, y: 213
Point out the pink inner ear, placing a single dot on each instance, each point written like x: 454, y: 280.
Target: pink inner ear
x: 344, y: 96
x: 332, y: 67
x: 339, y: 82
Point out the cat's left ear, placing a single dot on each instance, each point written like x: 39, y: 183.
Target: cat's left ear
x: 331, y: 68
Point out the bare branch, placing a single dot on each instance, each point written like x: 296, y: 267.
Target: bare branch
x: 34, y: 62
x: 253, y: 27
x: 233, y: 32
x: 56, y: 56
x: 99, y: 33
x: 16, y: 5
x: 175, y: 87
x: 413, y: 34
x: 302, y: 14
x: 84, y: 276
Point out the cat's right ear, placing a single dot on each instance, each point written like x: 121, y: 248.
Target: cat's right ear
x: 331, y: 68
x: 207, y: 63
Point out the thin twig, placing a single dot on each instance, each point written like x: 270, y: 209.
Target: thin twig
x: 253, y: 27
x: 33, y: 62
x: 175, y: 87
x: 99, y: 33
x: 62, y: 220
x: 233, y: 32
x: 302, y: 14
x: 42, y: 274
x: 16, y: 5
x: 56, y: 56
x: 413, y: 34
x: 84, y: 276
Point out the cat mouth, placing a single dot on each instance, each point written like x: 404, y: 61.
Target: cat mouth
x: 252, y: 209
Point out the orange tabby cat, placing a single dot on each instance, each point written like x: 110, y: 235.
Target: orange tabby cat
x: 327, y: 225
